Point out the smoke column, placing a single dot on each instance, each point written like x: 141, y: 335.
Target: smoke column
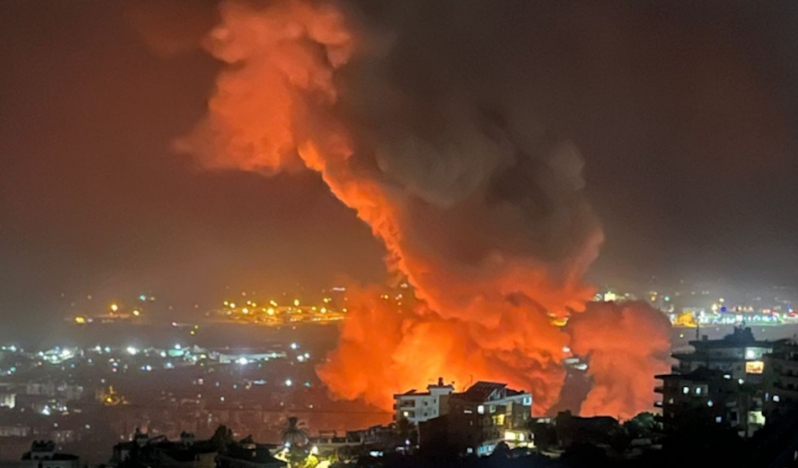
x: 437, y: 150
x: 627, y: 345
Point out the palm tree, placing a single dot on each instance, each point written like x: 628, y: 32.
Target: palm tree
x: 406, y: 431
x: 293, y: 435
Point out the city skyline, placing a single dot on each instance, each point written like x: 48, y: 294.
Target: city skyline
x: 93, y: 195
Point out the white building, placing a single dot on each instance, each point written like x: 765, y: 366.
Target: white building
x: 417, y: 406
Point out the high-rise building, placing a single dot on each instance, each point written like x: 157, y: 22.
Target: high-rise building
x: 780, y: 379
x: 720, y: 382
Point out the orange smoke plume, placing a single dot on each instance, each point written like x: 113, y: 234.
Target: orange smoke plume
x: 486, y: 219
x: 627, y: 345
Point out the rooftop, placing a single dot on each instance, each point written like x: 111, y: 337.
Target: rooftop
x: 740, y: 337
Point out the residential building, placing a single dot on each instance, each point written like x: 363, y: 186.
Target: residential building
x: 706, y: 396
x: 42, y: 454
x: 158, y: 452
x: 417, y: 407
x: 249, y: 456
x: 479, y: 418
x: 720, y: 382
x: 780, y: 379
x: 738, y: 354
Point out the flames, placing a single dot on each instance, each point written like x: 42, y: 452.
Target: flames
x: 487, y: 222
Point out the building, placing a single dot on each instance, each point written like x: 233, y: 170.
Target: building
x: 780, y: 379
x: 158, y: 452
x: 739, y: 355
x: 720, y: 382
x: 706, y: 396
x: 417, y: 407
x: 249, y: 456
x: 479, y: 418
x: 43, y: 455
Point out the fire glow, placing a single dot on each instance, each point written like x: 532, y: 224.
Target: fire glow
x: 485, y: 218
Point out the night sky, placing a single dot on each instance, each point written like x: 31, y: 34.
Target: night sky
x: 686, y: 114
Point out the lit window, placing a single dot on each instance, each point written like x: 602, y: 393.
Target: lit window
x: 698, y: 390
x: 754, y: 367
x: 776, y: 398
x: 718, y: 419
x: 481, y: 409
x: 685, y: 390
x: 709, y: 403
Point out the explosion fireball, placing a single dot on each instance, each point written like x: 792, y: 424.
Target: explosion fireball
x: 437, y: 150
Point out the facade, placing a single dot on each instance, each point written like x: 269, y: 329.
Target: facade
x: 158, y: 452
x: 720, y: 382
x: 479, y: 418
x: 780, y: 379
x: 708, y: 395
x: 43, y: 455
x: 417, y: 407
x: 739, y: 355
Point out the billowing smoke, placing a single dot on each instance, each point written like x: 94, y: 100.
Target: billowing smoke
x: 626, y: 345
x: 430, y: 137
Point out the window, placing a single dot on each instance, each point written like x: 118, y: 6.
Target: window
x: 698, y: 390
x: 776, y: 398
x: 481, y: 409
x: 709, y: 403
x: 685, y: 390
x: 718, y: 419
x: 527, y: 401
x: 754, y: 367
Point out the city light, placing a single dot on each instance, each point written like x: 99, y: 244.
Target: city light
x: 132, y: 350
x: 114, y: 307
x: 288, y: 382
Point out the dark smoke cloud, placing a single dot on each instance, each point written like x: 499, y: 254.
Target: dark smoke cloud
x: 437, y: 148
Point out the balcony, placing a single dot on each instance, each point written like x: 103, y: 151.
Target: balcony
x: 659, y: 389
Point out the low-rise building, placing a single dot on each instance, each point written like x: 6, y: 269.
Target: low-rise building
x: 249, y: 456
x: 479, y: 418
x: 158, y: 452
x: 43, y: 455
x: 417, y: 407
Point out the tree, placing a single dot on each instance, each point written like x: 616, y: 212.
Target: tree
x: 293, y: 435
x: 545, y: 434
x: 406, y: 431
x: 222, y: 438
x: 642, y: 426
